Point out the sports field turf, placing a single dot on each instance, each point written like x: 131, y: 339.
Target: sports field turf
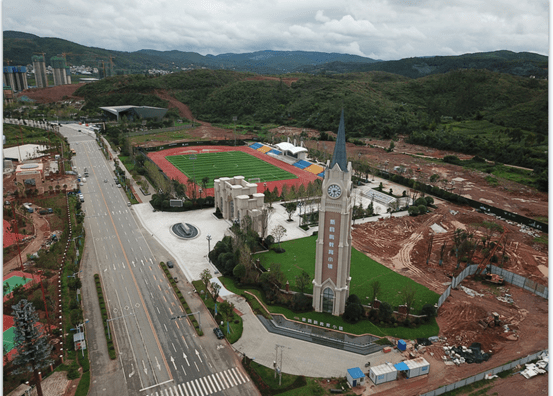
x: 227, y: 164
x: 13, y: 282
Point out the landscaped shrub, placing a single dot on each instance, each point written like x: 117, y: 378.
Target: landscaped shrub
x: 413, y: 211
x: 429, y: 310
x: 420, y: 201
x: 422, y: 209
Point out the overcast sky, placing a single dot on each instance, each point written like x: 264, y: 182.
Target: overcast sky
x: 378, y: 29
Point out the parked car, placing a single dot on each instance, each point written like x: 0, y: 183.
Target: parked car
x: 218, y: 333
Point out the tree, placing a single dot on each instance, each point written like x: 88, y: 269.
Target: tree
x: 274, y: 278
x: 227, y: 311
x: 33, y: 349
x: 278, y: 232
x: 239, y: 272
x: 205, y: 180
x: 290, y: 208
x: 385, y: 311
x: 205, y: 276
x: 302, y: 281
x: 216, y: 290
x: 408, y: 296
x: 429, y: 310
x: 375, y: 288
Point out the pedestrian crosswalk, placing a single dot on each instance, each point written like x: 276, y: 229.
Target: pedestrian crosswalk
x: 207, y: 385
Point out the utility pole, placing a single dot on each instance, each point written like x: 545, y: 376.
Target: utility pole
x: 278, y: 369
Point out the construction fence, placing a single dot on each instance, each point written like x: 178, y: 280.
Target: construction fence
x: 509, y: 277
x: 481, y: 376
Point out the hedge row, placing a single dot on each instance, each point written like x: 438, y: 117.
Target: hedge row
x: 181, y: 298
x: 111, y: 346
x: 263, y: 388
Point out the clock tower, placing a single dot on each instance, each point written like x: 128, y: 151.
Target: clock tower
x: 333, y: 255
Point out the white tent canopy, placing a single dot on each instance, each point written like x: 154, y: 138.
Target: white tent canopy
x: 285, y: 146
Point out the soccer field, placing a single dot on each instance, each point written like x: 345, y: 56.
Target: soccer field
x: 227, y: 164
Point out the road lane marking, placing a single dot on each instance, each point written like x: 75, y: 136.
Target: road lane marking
x: 196, y: 367
x: 137, y: 289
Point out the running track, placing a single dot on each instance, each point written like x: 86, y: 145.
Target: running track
x: 172, y: 172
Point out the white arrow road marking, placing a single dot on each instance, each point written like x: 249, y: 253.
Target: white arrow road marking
x: 133, y: 264
x: 132, y: 372
x: 145, y: 369
x: 151, y: 261
x: 157, y: 364
x: 114, y: 267
x: 173, y: 361
x: 142, y: 262
x: 185, y: 358
x: 174, y: 347
x: 198, y: 353
x: 123, y: 264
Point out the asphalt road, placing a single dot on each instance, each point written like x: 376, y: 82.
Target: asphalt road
x: 157, y: 354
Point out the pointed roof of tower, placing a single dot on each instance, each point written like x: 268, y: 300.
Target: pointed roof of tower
x: 340, y: 157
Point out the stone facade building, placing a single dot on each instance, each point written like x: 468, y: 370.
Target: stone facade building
x: 236, y: 198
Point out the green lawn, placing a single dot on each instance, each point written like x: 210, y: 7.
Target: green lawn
x: 362, y: 327
x: 300, y: 255
x: 227, y: 164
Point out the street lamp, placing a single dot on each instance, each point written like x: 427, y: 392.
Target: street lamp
x: 209, y: 238
x: 234, y: 119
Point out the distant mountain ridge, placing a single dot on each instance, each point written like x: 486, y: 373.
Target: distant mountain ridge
x: 19, y: 47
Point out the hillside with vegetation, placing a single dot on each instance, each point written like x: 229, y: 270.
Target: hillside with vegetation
x: 498, y: 116
x: 19, y: 47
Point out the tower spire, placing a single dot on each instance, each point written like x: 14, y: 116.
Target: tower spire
x: 340, y: 156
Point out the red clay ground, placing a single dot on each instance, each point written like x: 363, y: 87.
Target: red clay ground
x: 172, y: 172
x: 402, y: 245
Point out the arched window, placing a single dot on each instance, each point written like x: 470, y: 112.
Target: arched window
x: 328, y: 300
x: 231, y: 210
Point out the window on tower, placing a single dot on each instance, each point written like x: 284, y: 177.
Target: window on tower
x: 331, y: 236
x: 331, y: 244
x: 331, y: 229
x: 332, y: 221
x: 330, y: 259
x: 329, y: 266
x: 330, y: 251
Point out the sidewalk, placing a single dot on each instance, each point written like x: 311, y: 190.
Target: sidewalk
x: 299, y: 357
x: 136, y: 188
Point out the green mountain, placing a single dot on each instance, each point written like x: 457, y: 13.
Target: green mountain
x: 496, y: 115
x: 19, y: 47
x: 521, y: 64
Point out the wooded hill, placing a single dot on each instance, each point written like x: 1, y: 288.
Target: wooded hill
x: 19, y: 47
x: 494, y: 115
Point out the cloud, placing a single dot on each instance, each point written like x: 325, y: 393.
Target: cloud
x: 383, y: 29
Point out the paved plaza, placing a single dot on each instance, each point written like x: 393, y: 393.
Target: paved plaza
x: 299, y: 357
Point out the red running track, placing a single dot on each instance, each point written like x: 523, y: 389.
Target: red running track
x: 172, y: 172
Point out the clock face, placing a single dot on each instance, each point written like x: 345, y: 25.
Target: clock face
x: 334, y: 191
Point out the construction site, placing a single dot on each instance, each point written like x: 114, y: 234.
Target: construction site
x: 507, y: 321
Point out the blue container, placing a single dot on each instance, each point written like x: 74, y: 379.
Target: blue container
x: 401, y: 345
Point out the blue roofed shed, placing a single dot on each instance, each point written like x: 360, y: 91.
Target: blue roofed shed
x: 355, y: 377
